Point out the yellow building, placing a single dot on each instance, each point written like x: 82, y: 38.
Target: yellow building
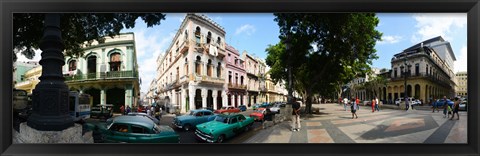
x: 461, y: 89
x: 428, y: 66
x: 31, y: 79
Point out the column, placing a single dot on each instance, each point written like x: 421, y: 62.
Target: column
x: 184, y: 101
x: 204, y: 98
x: 214, y: 95
x: 232, y: 99
x: 128, y: 95
x: 173, y: 97
x: 191, y: 97
x: 245, y: 100
x: 103, y: 96
x: 224, y: 98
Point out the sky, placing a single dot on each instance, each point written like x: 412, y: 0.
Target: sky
x: 253, y: 32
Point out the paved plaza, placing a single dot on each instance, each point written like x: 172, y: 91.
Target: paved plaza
x: 335, y: 125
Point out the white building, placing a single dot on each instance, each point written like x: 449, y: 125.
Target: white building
x: 191, y: 74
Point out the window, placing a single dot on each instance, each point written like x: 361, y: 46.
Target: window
x: 115, y: 62
x: 186, y: 35
x: 395, y: 73
x: 417, y: 69
x: 209, y: 68
x: 207, y: 113
x: 209, y: 37
x: 72, y: 65
x: 197, y: 34
x: 139, y: 129
x: 233, y: 120
x: 198, y: 67
x: 199, y: 114
x: 219, y: 41
x: 119, y: 128
x: 219, y: 70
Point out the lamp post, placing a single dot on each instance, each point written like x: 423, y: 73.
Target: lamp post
x: 405, y: 74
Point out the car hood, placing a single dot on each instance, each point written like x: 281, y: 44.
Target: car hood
x: 164, y: 128
x: 211, y: 126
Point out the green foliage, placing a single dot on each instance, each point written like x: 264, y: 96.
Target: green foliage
x: 76, y: 28
x: 326, y: 49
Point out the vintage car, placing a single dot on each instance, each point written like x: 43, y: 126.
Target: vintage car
x: 227, y: 109
x: 276, y: 107
x: 224, y: 126
x: 242, y: 108
x: 258, y: 114
x: 255, y: 106
x: 463, y: 106
x: 439, y: 103
x: 102, y: 111
x: 192, y: 119
x: 155, y: 120
x: 132, y: 129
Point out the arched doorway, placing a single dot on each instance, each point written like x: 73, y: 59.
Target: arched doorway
x: 95, y: 93
x: 409, y: 90
x: 417, y: 91
x: 116, y: 96
x: 198, y: 99
x: 210, y: 99
x: 219, y: 100
x: 91, y: 66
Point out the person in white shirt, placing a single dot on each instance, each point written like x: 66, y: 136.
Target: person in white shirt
x: 345, y: 103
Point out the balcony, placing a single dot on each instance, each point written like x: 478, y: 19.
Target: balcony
x: 263, y: 89
x: 422, y: 75
x: 184, y: 46
x: 237, y: 86
x: 207, y: 79
x: 102, y: 76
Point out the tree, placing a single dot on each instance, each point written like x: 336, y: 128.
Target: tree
x: 375, y: 83
x: 326, y: 50
x: 76, y: 28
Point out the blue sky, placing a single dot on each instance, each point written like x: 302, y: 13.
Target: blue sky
x: 253, y: 32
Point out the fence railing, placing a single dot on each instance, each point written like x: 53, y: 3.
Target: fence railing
x: 102, y: 75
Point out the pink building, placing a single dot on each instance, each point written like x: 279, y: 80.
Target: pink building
x: 235, y: 81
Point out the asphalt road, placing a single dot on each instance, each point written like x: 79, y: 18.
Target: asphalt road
x: 189, y: 136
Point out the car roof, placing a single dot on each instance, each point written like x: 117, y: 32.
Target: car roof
x: 136, y: 120
x: 201, y: 110
x: 229, y: 115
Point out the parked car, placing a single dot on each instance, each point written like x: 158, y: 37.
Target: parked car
x: 265, y: 105
x: 227, y: 109
x: 411, y: 100
x: 155, y: 120
x: 255, y: 106
x: 439, y: 103
x: 192, y: 119
x: 208, y: 108
x: 462, y: 106
x: 276, y: 107
x: 223, y: 127
x: 102, y: 111
x: 133, y: 129
x: 242, y: 108
x: 258, y: 114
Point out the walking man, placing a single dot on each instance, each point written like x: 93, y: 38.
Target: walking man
x: 357, y: 101
x: 376, y: 104
x: 296, y: 116
x: 456, y: 105
x: 353, y: 108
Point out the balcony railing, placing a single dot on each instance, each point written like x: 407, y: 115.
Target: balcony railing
x: 422, y: 75
x: 184, y: 46
x: 206, y: 79
x: 237, y: 86
x: 102, y: 75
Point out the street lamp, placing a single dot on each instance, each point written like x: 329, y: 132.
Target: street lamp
x: 405, y: 74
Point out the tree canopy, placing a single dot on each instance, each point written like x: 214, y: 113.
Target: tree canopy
x: 326, y: 50
x: 76, y: 28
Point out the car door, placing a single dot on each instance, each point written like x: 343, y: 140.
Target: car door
x: 199, y: 117
x: 140, y: 134
x: 234, y: 126
x: 118, y: 133
x: 205, y: 117
x: 242, y: 121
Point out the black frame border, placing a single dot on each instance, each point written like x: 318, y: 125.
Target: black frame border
x: 8, y: 7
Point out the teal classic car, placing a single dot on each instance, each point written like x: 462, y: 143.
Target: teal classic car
x: 192, y: 119
x: 224, y: 126
x: 132, y: 129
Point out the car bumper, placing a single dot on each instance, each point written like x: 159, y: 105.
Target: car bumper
x: 204, y: 137
x: 176, y: 125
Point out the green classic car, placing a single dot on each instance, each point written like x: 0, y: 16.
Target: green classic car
x: 224, y: 126
x: 133, y: 129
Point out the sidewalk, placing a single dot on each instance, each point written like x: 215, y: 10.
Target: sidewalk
x: 334, y: 125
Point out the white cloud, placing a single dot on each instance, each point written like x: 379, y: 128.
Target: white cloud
x: 461, y: 63
x: 148, y: 63
x: 437, y: 24
x: 247, y: 29
x: 390, y: 39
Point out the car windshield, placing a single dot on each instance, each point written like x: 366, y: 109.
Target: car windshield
x: 191, y: 113
x: 259, y: 110
x: 221, y: 119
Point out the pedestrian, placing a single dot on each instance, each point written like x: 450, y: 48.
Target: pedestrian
x: 357, y: 101
x: 407, y: 104
x: 373, y: 105
x: 128, y: 109
x: 377, y: 108
x: 434, y: 106
x: 445, y: 106
x: 149, y: 112
x: 353, y: 108
x: 267, y: 118
x: 152, y: 111
x: 456, y: 105
x: 296, y: 116
x: 345, y: 103
x: 122, y: 109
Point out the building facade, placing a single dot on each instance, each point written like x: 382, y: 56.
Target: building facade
x: 20, y: 68
x: 191, y: 74
x: 30, y: 79
x: 108, y: 71
x: 236, y: 80
x: 275, y: 92
x: 462, y: 84
x: 255, y: 77
x: 428, y: 66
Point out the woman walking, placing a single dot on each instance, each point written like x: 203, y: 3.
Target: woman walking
x: 455, y: 108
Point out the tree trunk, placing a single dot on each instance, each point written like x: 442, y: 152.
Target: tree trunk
x: 308, y: 102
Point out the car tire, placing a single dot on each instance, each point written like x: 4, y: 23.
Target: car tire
x: 221, y: 138
x: 187, y: 127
